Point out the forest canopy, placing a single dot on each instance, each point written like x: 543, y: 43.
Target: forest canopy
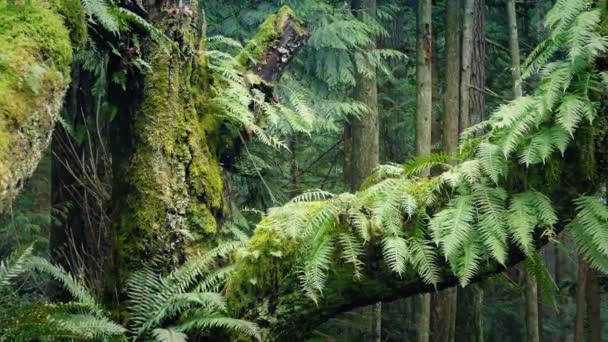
x: 303, y: 170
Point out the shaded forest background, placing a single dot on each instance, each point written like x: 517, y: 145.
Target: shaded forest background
x: 63, y: 207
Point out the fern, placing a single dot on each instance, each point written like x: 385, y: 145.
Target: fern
x: 100, y: 11
x: 14, y: 266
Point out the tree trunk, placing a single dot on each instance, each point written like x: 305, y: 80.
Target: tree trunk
x: 424, y: 79
x: 452, y: 90
x: 469, y: 319
x: 364, y: 132
x: 594, y: 300
x: 443, y: 319
x: 581, y: 287
x: 477, y: 96
x: 467, y: 55
x: 532, y: 326
x: 514, y: 49
x: 364, y: 137
x: 423, y: 129
x: 169, y: 166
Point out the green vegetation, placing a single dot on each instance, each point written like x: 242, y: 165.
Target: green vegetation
x: 187, y: 198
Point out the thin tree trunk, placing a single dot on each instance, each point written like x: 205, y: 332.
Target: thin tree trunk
x: 533, y: 334
x: 581, y: 286
x: 377, y: 323
x: 452, y: 90
x: 424, y: 79
x: 514, y: 49
x: 364, y: 137
x: 593, y: 306
x: 423, y: 130
x: 467, y: 54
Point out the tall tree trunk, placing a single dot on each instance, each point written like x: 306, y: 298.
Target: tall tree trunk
x: 444, y: 303
x: 594, y: 301
x: 469, y: 318
x: 452, y: 91
x: 364, y: 136
x: 532, y: 305
x: 364, y: 133
x: 514, y: 49
x: 472, y: 111
x: 467, y: 55
x: 423, y: 128
x: 477, y: 102
x: 532, y: 326
x: 581, y: 287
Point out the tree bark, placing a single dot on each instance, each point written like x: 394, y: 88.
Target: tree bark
x: 424, y: 79
x: 581, y: 287
x: 514, y: 49
x: 364, y: 136
x: 467, y: 55
x: 477, y: 102
x: 423, y: 129
x: 452, y: 90
x: 364, y: 131
x: 532, y: 318
x: 171, y: 168
x: 443, y: 315
x: 594, y: 300
x: 469, y: 318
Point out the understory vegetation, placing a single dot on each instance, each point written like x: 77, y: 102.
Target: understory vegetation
x: 312, y: 170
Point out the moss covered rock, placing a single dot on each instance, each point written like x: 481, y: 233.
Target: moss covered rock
x: 35, y: 59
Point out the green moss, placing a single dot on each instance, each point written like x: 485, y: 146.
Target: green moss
x: 269, y: 31
x: 35, y: 59
x: 259, y: 270
x: 174, y: 178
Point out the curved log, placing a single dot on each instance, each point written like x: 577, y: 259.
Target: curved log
x: 35, y: 58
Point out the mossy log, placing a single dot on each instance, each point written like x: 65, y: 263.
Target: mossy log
x: 35, y: 59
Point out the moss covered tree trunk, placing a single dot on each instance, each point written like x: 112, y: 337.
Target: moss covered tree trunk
x: 168, y: 181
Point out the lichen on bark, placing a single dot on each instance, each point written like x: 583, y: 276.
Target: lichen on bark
x: 35, y: 58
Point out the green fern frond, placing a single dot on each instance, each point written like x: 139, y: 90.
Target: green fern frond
x: 77, y: 290
x: 396, y: 253
x: 14, y: 265
x: 490, y: 203
x: 169, y: 335
x: 100, y: 11
x: 420, y: 164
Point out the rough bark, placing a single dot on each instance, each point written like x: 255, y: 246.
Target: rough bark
x: 477, y: 102
x: 28, y: 109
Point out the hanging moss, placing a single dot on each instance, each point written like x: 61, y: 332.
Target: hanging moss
x: 35, y: 58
